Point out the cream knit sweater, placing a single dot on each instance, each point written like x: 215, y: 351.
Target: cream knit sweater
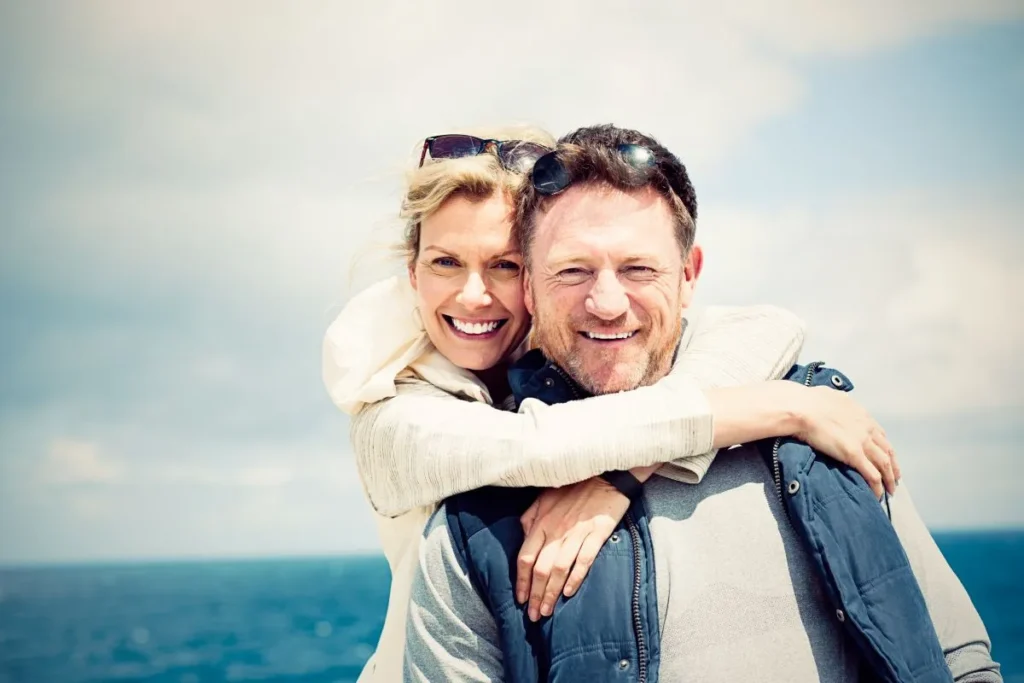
x: 423, y: 429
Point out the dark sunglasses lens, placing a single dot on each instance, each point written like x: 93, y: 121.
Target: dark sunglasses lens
x: 454, y: 146
x: 549, y: 175
x: 520, y: 156
x: 637, y: 156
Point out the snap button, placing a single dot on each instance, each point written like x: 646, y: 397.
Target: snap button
x: 549, y: 382
x: 840, y: 615
x: 794, y: 486
x: 837, y: 381
x: 623, y: 664
x: 614, y: 538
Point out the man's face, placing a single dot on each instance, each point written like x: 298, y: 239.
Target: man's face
x: 607, y: 286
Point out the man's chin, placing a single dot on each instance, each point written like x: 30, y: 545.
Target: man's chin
x: 609, y: 380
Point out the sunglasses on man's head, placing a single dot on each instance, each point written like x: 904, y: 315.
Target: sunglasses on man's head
x: 515, y: 155
x: 550, y: 176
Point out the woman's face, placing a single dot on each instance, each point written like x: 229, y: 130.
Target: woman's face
x: 468, y: 282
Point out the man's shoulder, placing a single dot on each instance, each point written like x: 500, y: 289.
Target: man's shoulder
x: 703, y: 316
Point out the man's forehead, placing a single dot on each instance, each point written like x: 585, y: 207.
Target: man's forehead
x: 600, y: 217
x: 600, y: 202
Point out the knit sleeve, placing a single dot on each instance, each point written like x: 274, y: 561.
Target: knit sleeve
x: 732, y: 346
x: 424, y: 444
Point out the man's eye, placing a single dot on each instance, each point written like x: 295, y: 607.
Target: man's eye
x: 640, y: 271
x: 573, y: 276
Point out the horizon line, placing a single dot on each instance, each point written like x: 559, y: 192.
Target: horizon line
x: 115, y: 562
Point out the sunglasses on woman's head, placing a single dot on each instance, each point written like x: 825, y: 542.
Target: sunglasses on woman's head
x: 515, y: 155
x: 550, y: 176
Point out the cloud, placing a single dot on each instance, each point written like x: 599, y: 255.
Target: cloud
x: 920, y: 311
x: 76, y: 462
x: 207, y: 500
x: 807, y: 27
x: 304, y: 90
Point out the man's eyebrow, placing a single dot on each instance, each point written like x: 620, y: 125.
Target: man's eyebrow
x: 640, y: 258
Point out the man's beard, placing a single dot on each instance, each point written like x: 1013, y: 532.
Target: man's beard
x: 561, y: 344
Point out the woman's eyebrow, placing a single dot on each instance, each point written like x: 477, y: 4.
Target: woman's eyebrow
x: 434, y: 247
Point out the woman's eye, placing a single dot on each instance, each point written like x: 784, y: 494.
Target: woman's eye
x: 446, y: 262
x: 507, y: 265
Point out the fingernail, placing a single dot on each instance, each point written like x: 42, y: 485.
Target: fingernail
x: 545, y: 609
x: 569, y: 589
x: 519, y: 597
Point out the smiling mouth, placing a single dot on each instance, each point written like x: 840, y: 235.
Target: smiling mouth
x: 608, y: 336
x: 474, y: 329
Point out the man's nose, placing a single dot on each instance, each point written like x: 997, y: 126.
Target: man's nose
x: 607, y: 299
x: 474, y: 293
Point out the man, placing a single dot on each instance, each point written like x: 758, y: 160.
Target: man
x: 779, y: 566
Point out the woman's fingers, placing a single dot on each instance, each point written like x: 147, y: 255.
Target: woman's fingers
x: 882, y: 439
x: 567, y: 557
x: 541, y: 572
x: 883, y: 463
x: 862, y: 462
x: 532, y: 546
x: 530, y: 516
x: 592, y: 545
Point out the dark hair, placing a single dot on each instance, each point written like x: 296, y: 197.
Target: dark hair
x: 591, y: 156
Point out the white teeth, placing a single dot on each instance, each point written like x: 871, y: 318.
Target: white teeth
x: 467, y: 327
x: 607, y: 337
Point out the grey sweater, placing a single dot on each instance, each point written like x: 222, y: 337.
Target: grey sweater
x: 737, y: 598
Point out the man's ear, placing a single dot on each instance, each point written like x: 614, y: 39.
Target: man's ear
x: 691, y: 271
x: 694, y: 264
x: 527, y: 292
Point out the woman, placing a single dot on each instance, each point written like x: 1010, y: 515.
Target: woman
x: 420, y: 364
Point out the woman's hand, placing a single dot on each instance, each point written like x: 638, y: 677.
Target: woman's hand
x: 835, y: 424
x: 565, y: 529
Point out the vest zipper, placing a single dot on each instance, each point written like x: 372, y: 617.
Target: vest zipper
x: 641, y: 645
x: 568, y: 380
x: 634, y: 536
x: 778, y: 441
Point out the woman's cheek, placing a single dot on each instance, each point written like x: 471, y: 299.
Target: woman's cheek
x: 431, y: 294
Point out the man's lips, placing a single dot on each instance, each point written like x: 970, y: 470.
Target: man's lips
x: 608, y: 336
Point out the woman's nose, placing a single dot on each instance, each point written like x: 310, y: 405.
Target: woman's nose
x: 474, y: 293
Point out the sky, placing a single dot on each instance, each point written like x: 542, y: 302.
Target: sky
x: 190, y: 192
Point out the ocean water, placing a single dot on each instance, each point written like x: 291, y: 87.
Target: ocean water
x: 310, y: 620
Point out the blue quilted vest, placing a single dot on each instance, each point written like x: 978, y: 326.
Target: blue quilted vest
x: 608, y: 631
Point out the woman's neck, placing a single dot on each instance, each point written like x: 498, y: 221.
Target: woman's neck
x: 496, y: 381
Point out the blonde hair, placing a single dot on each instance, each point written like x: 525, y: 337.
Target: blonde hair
x: 477, y: 177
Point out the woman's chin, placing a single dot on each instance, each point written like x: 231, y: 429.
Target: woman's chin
x: 476, y: 360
